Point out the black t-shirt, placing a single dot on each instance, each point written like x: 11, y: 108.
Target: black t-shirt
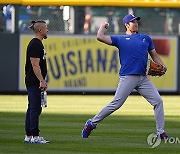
x: 35, y: 49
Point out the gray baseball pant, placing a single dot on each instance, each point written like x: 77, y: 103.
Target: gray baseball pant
x: 144, y: 87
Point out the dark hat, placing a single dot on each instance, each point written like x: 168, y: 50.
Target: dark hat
x: 129, y: 18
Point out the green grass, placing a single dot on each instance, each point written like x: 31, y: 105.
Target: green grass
x: 125, y: 131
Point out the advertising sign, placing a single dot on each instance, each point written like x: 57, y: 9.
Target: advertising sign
x: 81, y: 63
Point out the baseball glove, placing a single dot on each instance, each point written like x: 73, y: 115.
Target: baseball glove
x: 156, y: 69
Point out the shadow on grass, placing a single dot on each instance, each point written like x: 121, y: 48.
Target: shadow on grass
x: 115, y: 134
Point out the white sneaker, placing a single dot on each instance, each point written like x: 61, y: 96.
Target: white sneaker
x: 27, y: 139
x: 39, y: 140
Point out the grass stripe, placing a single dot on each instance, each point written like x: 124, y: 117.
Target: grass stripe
x: 125, y: 131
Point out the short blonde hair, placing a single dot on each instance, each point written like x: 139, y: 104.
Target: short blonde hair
x: 36, y: 25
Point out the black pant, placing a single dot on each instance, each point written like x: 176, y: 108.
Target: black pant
x: 33, y: 111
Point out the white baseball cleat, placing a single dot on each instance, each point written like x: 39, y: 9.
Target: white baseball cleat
x: 39, y: 140
x: 27, y: 139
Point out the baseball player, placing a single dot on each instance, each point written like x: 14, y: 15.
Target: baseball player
x: 133, y: 54
x: 35, y: 71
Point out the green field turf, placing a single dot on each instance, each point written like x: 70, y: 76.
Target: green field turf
x: 125, y: 131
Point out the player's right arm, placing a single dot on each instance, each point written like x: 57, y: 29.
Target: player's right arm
x: 101, y: 36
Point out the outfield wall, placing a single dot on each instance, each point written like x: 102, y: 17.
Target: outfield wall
x: 80, y: 64
x: 9, y: 61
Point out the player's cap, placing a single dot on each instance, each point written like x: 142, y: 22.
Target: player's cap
x: 129, y: 18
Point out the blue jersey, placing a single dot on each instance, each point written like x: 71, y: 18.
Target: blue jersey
x: 133, y: 52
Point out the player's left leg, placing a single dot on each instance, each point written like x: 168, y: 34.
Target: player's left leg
x: 147, y: 89
x: 34, y: 97
x: 125, y: 86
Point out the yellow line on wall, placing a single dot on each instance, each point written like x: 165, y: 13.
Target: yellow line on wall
x: 125, y: 3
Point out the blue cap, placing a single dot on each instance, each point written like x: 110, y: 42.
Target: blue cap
x: 129, y: 18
